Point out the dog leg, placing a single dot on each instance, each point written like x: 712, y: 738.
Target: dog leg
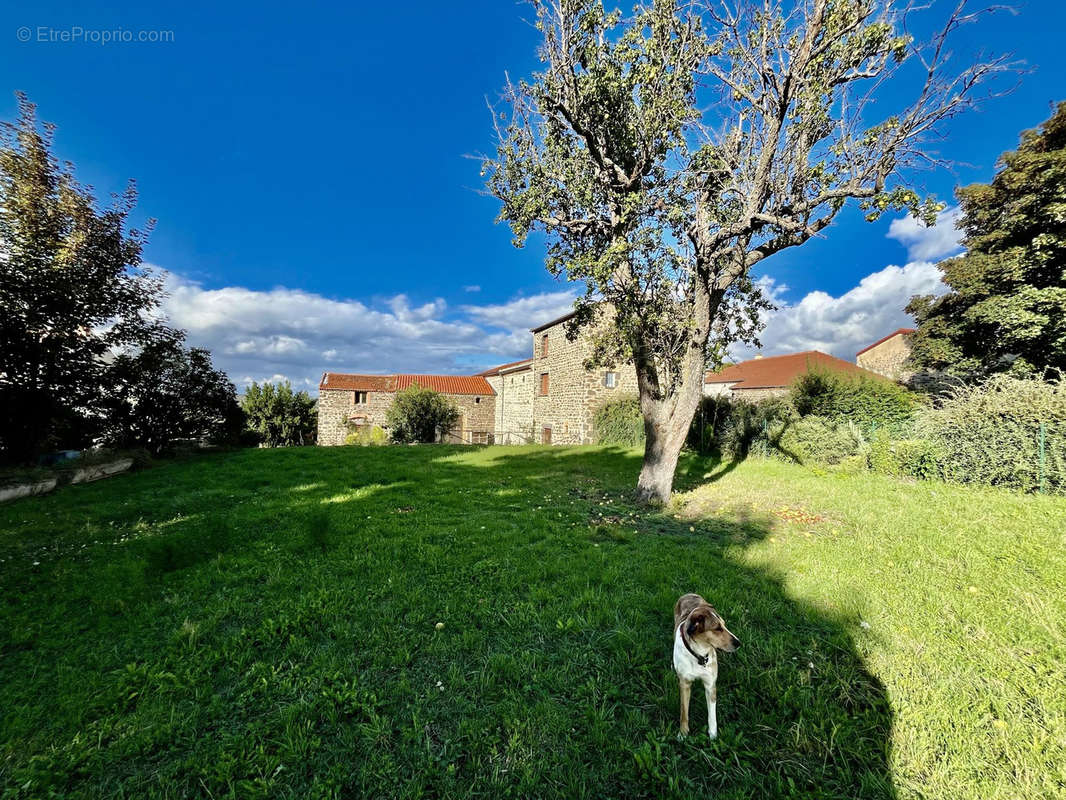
x: 712, y: 703
x: 686, y: 695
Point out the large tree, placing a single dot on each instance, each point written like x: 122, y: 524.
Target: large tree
x: 163, y: 392
x: 1006, y: 308
x: 280, y: 416
x: 666, y: 153
x: 72, y: 290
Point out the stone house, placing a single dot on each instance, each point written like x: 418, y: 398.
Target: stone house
x: 551, y: 398
x: 888, y: 355
x: 513, y: 384
x: 346, y: 401
x: 759, y: 378
x: 565, y: 394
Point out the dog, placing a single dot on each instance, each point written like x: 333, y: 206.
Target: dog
x: 699, y: 631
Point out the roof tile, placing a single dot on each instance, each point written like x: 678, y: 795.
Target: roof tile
x: 778, y: 371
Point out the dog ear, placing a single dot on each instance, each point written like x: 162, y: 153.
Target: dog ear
x: 695, y: 624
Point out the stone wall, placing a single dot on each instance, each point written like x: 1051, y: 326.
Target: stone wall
x: 888, y: 358
x: 755, y: 395
x: 478, y: 421
x: 514, y: 406
x: 337, y: 406
x: 574, y: 393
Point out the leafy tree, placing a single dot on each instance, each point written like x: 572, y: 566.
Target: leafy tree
x: 1006, y: 310
x: 420, y: 415
x: 165, y: 393
x: 72, y: 289
x: 281, y: 417
x: 666, y: 154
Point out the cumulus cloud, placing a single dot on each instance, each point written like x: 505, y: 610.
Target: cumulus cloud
x: 841, y: 326
x: 929, y: 244
x: 296, y: 335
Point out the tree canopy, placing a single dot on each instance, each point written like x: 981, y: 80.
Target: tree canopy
x: 420, y: 414
x: 667, y: 152
x: 280, y: 416
x: 1006, y: 308
x: 72, y: 290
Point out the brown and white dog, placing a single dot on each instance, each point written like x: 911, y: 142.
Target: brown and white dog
x: 699, y: 631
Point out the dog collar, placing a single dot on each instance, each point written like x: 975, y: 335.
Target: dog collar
x: 684, y: 640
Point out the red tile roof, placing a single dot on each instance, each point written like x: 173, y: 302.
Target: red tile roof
x: 528, y: 362
x: 778, y: 371
x: 884, y: 339
x: 445, y: 384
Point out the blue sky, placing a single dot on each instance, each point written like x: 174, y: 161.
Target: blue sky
x: 315, y: 209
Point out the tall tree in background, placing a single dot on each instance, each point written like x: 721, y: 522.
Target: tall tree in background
x: 281, y: 417
x: 71, y: 290
x: 1006, y: 310
x: 666, y: 154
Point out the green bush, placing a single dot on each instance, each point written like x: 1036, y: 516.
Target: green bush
x: 737, y: 428
x: 990, y: 433
x: 620, y: 422
x: 817, y: 440
x: 366, y: 435
x: 914, y: 458
x: 870, y: 403
x: 420, y: 415
x: 279, y: 417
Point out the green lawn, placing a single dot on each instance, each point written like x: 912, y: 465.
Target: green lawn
x: 262, y: 624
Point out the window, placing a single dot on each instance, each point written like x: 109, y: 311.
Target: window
x: 544, y: 346
x: 359, y: 398
x: 610, y: 379
x: 479, y: 437
x: 544, y: 383
x: 477, y: 399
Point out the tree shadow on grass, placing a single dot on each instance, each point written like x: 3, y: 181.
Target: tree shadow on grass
x: 299, y: 631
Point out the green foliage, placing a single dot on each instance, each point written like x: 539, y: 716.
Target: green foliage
x: 619, y: 422
x: 870, y: 403
x: 990, y: 433
x: 280, y: 416
x: 420, y: 415
x: 164, y: 393
x: 366, y: 435
x: 904, y: 458
x: 737, y: 428
x: 817, y: 440
x: 1006, y: 310
x: 72, y: 289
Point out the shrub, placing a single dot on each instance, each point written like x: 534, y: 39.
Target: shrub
x: 420, y: 415
x: 366, y: 435
x: 620, y: 422
x: 871, y: 403
x: 915, y: 458
x: 990, y: 433
x: 737, y: 428
x: 817, y: 440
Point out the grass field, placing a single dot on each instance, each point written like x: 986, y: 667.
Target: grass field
x: 263, y: 624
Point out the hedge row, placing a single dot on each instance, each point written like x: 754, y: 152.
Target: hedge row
x: 1006, y: 431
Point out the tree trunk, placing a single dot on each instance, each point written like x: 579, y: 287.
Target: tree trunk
x: 666, y: 426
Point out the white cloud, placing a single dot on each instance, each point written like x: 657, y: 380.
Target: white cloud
x: 288, y: 333
x: 841, y: 326
x: 472, y: 288
x: 928, y: 244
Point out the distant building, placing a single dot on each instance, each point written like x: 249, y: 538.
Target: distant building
x: 551, y: 398
x: 888, y: 355
x: 760, y: 378
x: 349, y: 401
x: 566, y: 395
x: 513, y: 384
